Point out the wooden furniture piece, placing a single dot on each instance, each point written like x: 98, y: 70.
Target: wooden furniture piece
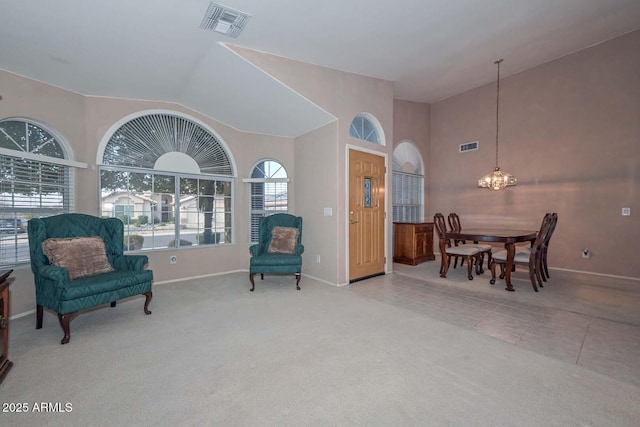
x: 469, y: 253
x: 508, y: 237
x: 68, y: 295
x: 413, y: 242
x: 456, y: 225
x: 5, y: 363
x: 532, y: 257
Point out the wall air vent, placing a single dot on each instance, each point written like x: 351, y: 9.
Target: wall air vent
x: 225, y: 20
x: 468, y: 146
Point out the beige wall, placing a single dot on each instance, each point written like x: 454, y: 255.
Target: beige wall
x: 344, y: 95
x: 84, y: 121
x: 316, y: 166
x: 412, y: 123
x: 569, y: 130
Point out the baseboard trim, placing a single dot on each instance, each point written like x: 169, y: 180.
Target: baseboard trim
x: 613, y: 276
x: 204, y: 276
x: 23, y: 314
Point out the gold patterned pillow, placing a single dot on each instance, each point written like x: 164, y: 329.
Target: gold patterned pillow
x: 81, y: 256
x: 283, y: 240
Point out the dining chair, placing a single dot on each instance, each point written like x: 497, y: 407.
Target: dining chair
x: 545, y: 246
x: 470, y: 253
x: 455, y: 225
x: 531, y: 257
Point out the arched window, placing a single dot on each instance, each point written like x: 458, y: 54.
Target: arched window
x: 35, y: 181
x: 408, y: 184
x: 269, y: 192
x: 365, y: 127
x: 170, y: 180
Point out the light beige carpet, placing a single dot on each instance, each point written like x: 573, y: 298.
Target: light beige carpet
x: 214, y: 354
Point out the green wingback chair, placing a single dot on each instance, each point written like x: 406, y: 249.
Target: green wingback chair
x: 282, y: 257
x: 56, y: 292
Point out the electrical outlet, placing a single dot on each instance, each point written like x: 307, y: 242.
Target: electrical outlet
x: 626, y: 211
x: 586, y: 253
x: 173, y: 259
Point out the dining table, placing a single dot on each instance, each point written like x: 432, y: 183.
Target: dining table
x: 506, y: 236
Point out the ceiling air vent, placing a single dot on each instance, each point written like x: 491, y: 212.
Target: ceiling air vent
x: 468, y: 146
x: 225, y: 20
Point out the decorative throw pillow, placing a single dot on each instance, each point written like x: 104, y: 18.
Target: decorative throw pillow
x: 81, y: 256
x: 283, y: 240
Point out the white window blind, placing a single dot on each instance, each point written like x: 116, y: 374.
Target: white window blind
x: 35, y: 181
x: 269, y: 193
x: 408, y: 197
x: 28, y: 189
x: 163, y: 205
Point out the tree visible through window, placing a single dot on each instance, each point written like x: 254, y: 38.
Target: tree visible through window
x: 170, y: 181
x: 35, y: 181
x: 269, y: 193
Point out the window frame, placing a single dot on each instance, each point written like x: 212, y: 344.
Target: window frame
x: 23, y: 158
x: 408, y: 186
x: 256, y: 214
x: 372, y: 123
x: 173, y: 127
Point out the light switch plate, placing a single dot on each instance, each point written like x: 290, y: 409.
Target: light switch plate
x: 626, y: 211
x: 328, y: 211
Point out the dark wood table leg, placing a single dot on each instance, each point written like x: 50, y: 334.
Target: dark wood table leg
x: 511, y: 253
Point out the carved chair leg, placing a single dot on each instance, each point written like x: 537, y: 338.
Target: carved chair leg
x: 480, y: 261
x: 492, y: 267
x: 65, y: 319
x: 261, y: 276
x: 444, y: 267
x: 470, y: 261
x: 113, y: 303
x: 39, y: 312
x: 147, y: 300
x: 253, y: 285
x: 298, y: 281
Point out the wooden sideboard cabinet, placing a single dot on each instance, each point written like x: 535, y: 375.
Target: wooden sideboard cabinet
x: 413, y: 242
x: 5, y: 363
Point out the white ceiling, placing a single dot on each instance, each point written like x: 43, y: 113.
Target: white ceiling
x: 430, y: 49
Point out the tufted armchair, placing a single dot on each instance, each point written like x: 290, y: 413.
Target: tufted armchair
x: 58, y: 290
x: 279, y: 249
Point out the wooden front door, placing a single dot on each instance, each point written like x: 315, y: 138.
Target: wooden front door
x: 366, y: 215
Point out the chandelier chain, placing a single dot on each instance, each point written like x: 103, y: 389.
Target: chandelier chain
x: 497, y: 108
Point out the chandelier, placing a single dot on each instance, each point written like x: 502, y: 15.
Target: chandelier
x: 497, y: 180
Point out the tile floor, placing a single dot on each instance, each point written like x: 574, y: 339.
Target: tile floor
x: 588, y: 320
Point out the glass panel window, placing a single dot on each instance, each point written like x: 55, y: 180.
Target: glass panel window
x: 29, y: 187
x: 269, y: 193
x: 363, y: 128
x: 408, y: 184
x: 167, y: 209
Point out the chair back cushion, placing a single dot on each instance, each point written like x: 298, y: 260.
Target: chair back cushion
x: 268, y: 223
x: 110, y: 230
x: 283, y: 240
x: 81, y: 256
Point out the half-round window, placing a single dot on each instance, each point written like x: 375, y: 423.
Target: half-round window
x: 170, y: 180
x: 269, y: 193
x: 365, y: 127
x: 408, y: 184
x: 36, y: 174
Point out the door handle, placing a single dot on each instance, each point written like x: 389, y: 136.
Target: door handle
x: 353, y: 222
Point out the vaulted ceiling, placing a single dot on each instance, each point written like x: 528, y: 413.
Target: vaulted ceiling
x: 156, y: 50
